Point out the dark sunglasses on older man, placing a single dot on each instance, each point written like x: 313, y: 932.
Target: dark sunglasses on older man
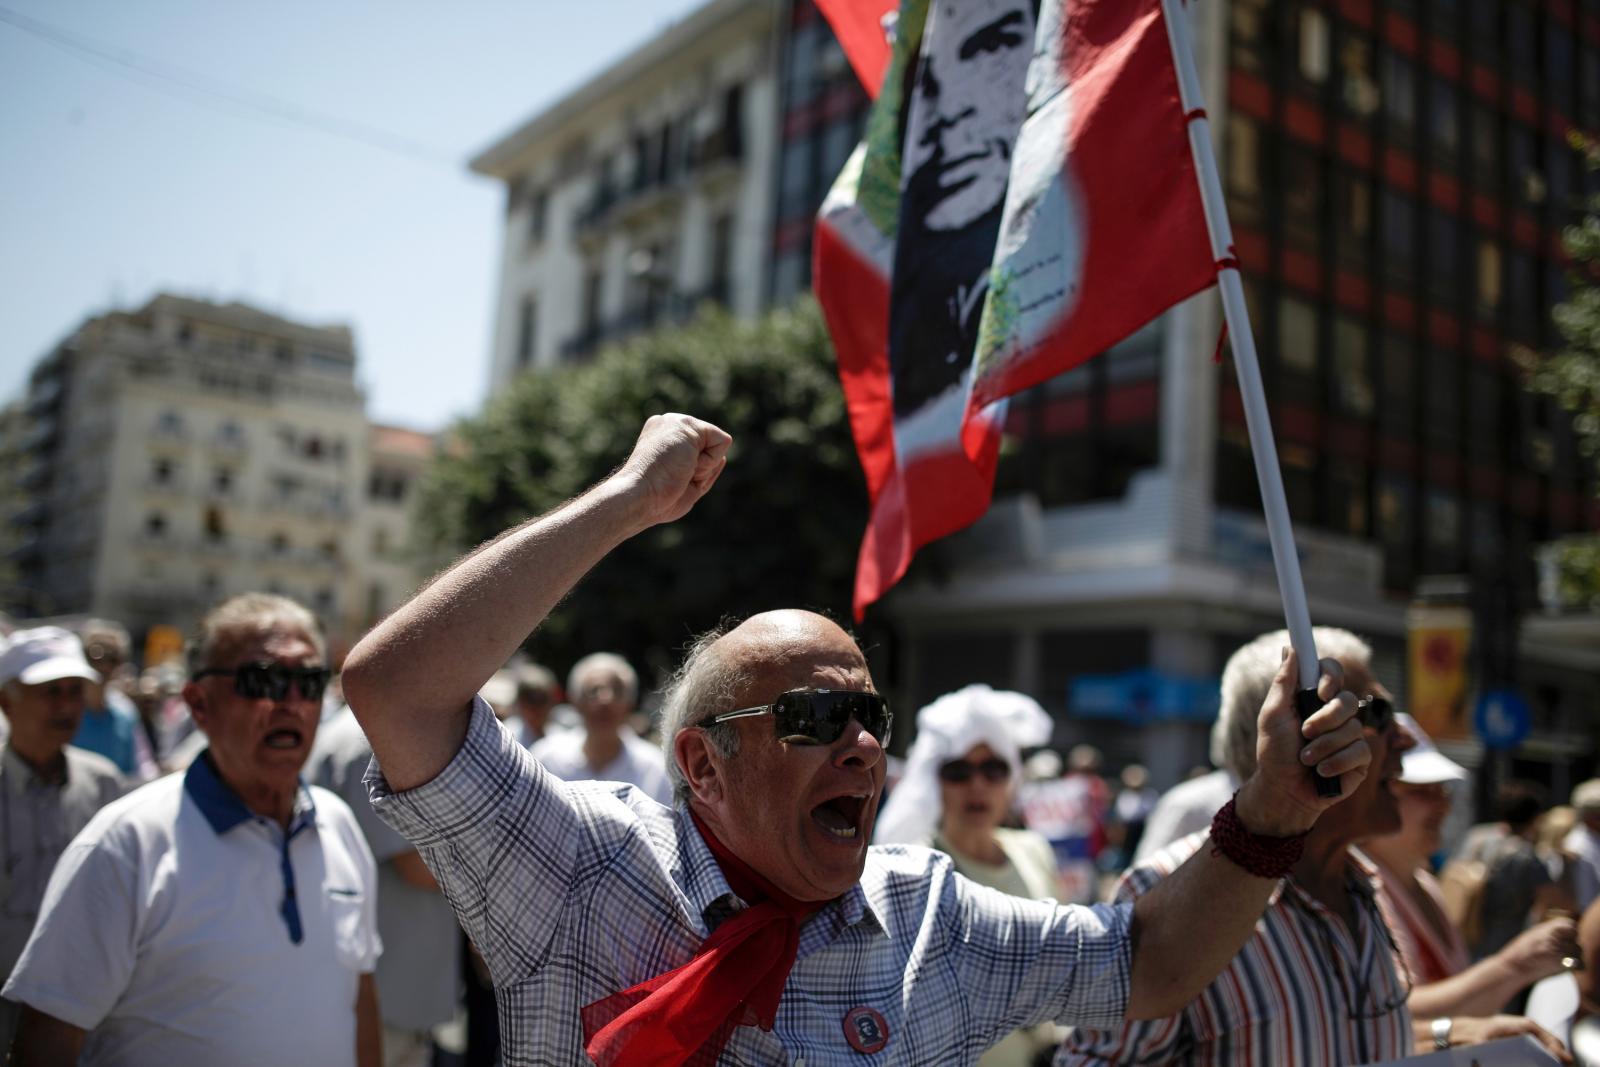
x: 956, y: 771
x: 253, y: 681
x: 1376, y: 712
x: 819, y: 716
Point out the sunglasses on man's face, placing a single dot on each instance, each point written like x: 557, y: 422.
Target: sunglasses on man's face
x: 818, y: 716
x: 1375, y: 712
x: 255, y: 681
x: 994, y: 769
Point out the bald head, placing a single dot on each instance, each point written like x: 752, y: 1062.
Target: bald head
x: 749, y: 665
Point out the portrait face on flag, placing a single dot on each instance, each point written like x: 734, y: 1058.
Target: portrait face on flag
x: 964, y: 105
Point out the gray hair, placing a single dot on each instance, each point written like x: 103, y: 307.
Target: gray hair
x: 1248, y: 677
x: 535, y: 684
x: 603, y: 662
x: 250, y: 613
x: 704, y: 685
x: 1586, y: 797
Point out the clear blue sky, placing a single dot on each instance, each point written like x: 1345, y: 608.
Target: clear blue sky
x: 116, y: 184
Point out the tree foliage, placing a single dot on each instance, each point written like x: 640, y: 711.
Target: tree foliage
x: 1571, y: 376
x: 780, y: 529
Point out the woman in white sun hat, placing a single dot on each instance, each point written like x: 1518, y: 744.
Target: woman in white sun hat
x: 960, y: 783
x: 1446, y: 982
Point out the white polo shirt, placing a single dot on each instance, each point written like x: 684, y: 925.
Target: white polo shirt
x: 180, y: 928
x: 639, y: 763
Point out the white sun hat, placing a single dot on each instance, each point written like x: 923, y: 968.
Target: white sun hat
x: 43, y: 654
x: 1424, y: 764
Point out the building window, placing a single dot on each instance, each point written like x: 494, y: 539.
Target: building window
x: 1352, y: 376
x: 721, y: 282
x: 230, y: 434
x: 1488, y: 279
x: 1442, y: 399
x: 1297, y: 335
x: 527, y: 325
x: 1251, y: 22
x: 1399, y: 235
x: 1522, y: 162
x: 1521, y: 44
x: 1444, y: 117
x: 1302, y: 196
x: 216, y: 528
x: 1444, y: 254
x: 163, y: 472
x: 1358, y: 91
x: 155, y: 525
x: 1397, y: 382
x: 1346, y: 498
x: 329, y: 549
x: 169, y: 424
x: 1442, y: 530
x: 1486, y: 147
x: 1522, y: 298
x: 1352, y: 213
x: 1313, y: 34
x: 538, y: 210
x: 592, y: 289
x: 279, y: 544
x: 1244, y: 163
x: 1483, y: 412
x: 283, y: 352
x: 1399, y: 91
x: 222, y: 480
x: 1395, y: 516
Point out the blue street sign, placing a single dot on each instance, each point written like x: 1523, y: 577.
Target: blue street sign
x: 1502, y: 718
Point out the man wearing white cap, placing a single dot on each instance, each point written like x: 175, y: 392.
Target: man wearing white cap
x: 48, y: 789
x: 1447, y: 984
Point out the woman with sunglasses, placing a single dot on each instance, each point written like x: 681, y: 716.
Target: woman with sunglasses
x: 958, y: 788
x: 1448, y: 983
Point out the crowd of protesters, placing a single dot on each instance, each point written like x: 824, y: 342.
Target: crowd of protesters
x: 159, y: 885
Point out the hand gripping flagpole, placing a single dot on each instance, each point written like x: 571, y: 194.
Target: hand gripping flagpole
x: 1285, y: 559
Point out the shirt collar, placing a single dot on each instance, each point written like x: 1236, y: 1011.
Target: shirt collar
x: 221, y: 805
x: 711, y: 900
x: 18, y: 775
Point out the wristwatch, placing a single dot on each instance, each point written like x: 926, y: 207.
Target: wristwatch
x: 1441, y: 1033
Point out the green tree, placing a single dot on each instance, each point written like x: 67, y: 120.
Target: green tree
x: 1571, y: 376
x: 781, y: 527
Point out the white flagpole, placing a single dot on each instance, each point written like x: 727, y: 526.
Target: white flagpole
x: 1291, y: 586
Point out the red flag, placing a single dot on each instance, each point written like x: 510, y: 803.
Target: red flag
x: 860, y: 26
x: 1001, y: 223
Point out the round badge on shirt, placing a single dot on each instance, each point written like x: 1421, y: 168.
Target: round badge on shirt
x: 866, y: 1030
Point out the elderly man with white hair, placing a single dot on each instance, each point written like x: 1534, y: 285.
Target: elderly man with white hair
x: 751, y: 923
x: 1321, y: 980
x: 605, y: 689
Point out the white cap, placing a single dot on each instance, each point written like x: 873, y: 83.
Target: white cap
x: 1424, y: 764
x: 43, y: 654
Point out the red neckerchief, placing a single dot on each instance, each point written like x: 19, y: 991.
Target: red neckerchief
x: 686, y: 1015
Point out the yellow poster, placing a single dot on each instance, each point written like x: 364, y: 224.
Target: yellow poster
x: 161, y: 644
x: 1440, y: 638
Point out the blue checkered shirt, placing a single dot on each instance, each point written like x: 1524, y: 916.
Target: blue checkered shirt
x: 574, y: 891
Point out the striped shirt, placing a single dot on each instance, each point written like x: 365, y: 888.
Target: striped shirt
x: 574, y: 891
x: 1303, y: 990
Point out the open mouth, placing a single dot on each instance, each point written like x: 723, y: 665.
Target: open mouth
x: 841, y: 816
x: 284, y: 738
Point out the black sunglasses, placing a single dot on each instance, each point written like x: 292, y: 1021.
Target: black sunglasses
x: 819, y: 716
x: 253, y: 681
x: 1375, y: 712
x: 957, y: 771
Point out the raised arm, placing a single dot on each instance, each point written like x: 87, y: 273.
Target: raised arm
x: 411, y: 680
x: 1187, y: 928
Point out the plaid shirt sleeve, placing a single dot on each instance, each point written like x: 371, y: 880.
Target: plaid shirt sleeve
x: 1023, y: 962
x: 501, y: 835
x: 1150, y: 1041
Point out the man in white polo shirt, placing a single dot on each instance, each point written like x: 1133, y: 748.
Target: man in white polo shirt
x: 225, y: 915
x: 49, y: 790
x: 604, y: 689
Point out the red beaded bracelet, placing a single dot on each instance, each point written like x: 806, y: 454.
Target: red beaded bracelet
x: 1264, y: 857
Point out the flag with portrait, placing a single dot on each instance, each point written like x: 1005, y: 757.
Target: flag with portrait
x: 1023, y: 199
